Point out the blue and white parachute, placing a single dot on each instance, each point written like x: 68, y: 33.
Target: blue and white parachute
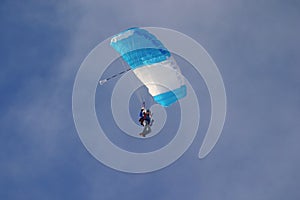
x: 152, y: 63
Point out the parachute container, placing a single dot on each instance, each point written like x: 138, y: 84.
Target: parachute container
x: 152, y: 63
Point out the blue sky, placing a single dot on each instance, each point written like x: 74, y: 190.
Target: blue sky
x: 255, y: 45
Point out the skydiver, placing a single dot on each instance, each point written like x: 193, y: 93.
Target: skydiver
x: 145, y: 120
x: 143, y: 110
x: 145, y: 116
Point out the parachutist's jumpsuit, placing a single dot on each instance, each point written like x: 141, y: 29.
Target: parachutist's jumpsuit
x: 144, y: 116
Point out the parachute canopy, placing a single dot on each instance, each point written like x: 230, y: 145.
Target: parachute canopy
x: 152, y: 63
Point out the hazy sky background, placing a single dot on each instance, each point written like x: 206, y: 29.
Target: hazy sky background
x: 255, y: 44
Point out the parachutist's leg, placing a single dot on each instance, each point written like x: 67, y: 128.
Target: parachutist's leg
x: 151, y: 122
x: 141, y: 120
x: 146, y: 130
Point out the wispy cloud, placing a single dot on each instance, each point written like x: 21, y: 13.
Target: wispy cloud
x: 255, y: 47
